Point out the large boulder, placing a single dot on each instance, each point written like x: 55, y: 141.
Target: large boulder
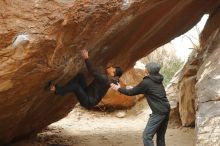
x: 172, y: 91
x: 181, y: 92
x: 187, y: 94
x: 208, y: 86
x: 40, y: 41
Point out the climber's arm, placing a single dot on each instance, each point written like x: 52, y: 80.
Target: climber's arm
x: 139, y: 89
x: 91, y: 68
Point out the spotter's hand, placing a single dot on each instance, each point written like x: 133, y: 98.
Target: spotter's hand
x: 115, y: 87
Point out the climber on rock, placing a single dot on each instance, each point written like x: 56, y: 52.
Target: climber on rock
x: 152, y: 87
x: 91, y: 95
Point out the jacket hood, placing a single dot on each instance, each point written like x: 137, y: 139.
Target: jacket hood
x: 154, y: 69
x: 157, y: 78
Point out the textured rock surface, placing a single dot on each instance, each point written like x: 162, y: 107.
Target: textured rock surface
x: 208, y: 87
x: 133, y: 76
x: 172, y: 90
x: 187, y: 94
x: 52, y: 33
x: 181, y: 91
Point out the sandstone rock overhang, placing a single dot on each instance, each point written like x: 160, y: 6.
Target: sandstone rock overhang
x: 113, y: 31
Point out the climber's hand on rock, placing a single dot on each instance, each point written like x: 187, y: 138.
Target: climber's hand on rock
x: 52, y: 88
x: 85, y: 54
x: 115, y: 87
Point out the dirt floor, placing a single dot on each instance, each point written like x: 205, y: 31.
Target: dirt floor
x: 92, y: 128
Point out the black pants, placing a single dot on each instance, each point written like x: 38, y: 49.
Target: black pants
x: 77, y: 85
x: 157, y: 124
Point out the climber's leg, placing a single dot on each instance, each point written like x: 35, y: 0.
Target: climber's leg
x: 78, y: 86
x: 78, y: 80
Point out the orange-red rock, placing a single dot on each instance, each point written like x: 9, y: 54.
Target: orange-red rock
x: 113, y: 31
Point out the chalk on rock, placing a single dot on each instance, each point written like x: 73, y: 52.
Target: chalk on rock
x: 21, y: 41
x: 126, y: 4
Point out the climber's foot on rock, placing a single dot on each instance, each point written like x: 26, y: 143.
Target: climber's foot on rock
x: 50, y: 86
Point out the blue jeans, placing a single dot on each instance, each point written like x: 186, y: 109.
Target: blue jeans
x: 157, y: 124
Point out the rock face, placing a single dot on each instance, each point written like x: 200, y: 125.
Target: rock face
x: 187, y: 94
x: 208, y: 86
x: 181, y: 91
x: 172, y: 91
x: 198, y: 86
x: 40, y: 40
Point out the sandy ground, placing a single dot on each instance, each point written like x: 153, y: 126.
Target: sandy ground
x: 91, y: 128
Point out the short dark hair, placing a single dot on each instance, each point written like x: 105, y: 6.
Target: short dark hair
x: 118, y: 71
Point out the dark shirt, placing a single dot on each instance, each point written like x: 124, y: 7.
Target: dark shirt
x: 154, y: 91
x: 100, y: 85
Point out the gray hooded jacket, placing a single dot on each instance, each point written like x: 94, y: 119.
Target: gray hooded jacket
x: 152, y: 87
